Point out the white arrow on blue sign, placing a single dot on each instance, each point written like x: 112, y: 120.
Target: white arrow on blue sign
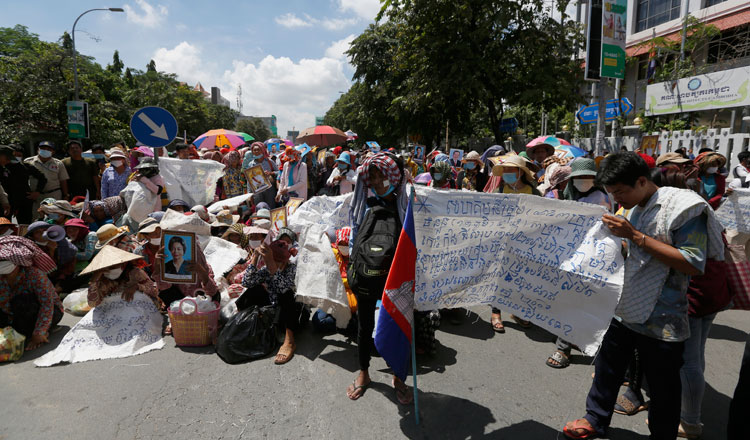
x: 589, y: 113
x: 153, y: 126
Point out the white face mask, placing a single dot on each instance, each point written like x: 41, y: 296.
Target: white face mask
x: 254, y: 243
x: 6, y: 267
x: 344, y: 250
x: 45, y: 153
x: 117, y: 163
x: 155, y: 241
x: 583, y: 185
x: 41, y: 243
x: 712, y: 170
x: 113, y: 274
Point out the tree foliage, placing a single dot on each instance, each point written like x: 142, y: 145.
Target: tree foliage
x: 458, y: 63
x: 36, y: 80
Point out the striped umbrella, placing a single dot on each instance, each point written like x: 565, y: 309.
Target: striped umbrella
x: 322, y: 135
x: 571, y: 151
x: 218, y: 138
x: 548, y: 140
x: 246, y: 136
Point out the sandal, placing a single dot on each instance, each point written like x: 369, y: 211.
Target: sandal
x: 354, y: 388
x: 560, y: 358
x: 403, y: 395
x: 627, y: 407
x: 580, y: 424
x: 168, y: 330
x: 521, y: 322
x: 287, y: 351
x: 497, y: 323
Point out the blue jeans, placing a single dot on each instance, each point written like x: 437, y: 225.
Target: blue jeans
x: 691, y: 373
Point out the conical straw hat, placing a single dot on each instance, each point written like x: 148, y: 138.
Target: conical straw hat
x: 109, y: 256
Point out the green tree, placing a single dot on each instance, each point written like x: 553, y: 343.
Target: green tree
x: 117, y: 65
x: 254, y: 127
x: 151, y: 66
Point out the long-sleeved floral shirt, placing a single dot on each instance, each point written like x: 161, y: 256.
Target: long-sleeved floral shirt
x: 276, y: 284
x: 32, y: 281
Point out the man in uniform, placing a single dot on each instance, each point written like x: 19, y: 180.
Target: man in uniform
x: 55, y: 172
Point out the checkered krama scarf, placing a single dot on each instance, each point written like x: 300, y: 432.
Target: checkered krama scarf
x: 385, y: 164
x: 24, y: 252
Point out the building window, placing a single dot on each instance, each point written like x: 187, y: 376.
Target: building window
x: 652, y: 13
x: 713, y: 2
x: 730, y: 45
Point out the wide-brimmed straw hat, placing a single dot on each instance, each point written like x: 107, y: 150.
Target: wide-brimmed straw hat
x: 148, y: 226
x: 109, y: 256
x: 225, y: 218
x: 107, y: 233
x: 671, y: 158
x: 510, y: 161
x: 62, y: 207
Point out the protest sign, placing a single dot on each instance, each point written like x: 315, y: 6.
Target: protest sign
x: 318, y: 279
x: 257, y: 180
x: 278, y: 219
x: 222, y: 255
x: 114, y: 329
x: 548, y: 261
x: 230, y: 203
x: 292, y: 205
x: 139, y: 200
x: 329, y: 212
x: 193, y: 181
x: 734, y: 213
x: 186, y: 223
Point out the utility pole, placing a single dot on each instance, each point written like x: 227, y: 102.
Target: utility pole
x: 600, y: 122
x: 617, y: 100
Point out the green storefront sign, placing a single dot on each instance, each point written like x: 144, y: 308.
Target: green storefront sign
x: 78, y: 119
x: 614, y: 20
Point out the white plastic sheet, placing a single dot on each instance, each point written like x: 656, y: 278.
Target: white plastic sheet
x: 193, y: 181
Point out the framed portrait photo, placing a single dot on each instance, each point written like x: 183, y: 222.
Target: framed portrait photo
x: 179, y: 254
x: 257, y: 179
x: 456, y: 156
x: 278, y: 218
x: 649, y: 144
x: 292, y: 205
x: 418, y: 156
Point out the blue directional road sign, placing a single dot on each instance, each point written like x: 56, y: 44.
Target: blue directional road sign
x: 509, y: 125
x: 153, y: 126
x: 589, y: 113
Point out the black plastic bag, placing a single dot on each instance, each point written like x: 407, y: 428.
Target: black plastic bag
x: 248, y: 335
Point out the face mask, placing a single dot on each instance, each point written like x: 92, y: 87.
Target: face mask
x: 6, y: 267
x: 254, y: 243
x: 41, y: 243
x: 387, y: 193
x: 45, y: 153
x: 155, y: 241
x: 437, y: 176
x: 712, y: 170
x: 98, y: 156
x: 510, y: 178
x: 8, y: 232
x: 113, y: 274
x: 17, y: 159
x: 257, y: 156
x: 344, y: 250
x: 53, y: 216
x: 583, y: 185
x: 343, y: 166
x: 117, y: 163
x: 470, y: 165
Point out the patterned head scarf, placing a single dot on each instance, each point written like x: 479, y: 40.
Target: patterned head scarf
x: 442, y: 158
x: 113, y: 206
x: 342, y: 236
x: 24, y: 252
x: 558, y: 175
x: 385, y: 164
x: 238, y: 228
x: 441, y: 167
x: 290, y: 154
x: 231, y: 159
x: 263, y: 148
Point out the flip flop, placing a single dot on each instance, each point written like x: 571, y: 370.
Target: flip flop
x: 627, y: 407
x: 559, y: 357
x: 497, y: 324
x: 289, y: 353
x: 351, y: 390
x: 521, y: 322
x: 578, y: 424
x: 403, y: 395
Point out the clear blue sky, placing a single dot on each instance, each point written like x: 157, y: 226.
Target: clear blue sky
x: 287, y: 55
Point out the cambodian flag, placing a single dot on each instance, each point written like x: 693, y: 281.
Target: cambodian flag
x: 394, y: 327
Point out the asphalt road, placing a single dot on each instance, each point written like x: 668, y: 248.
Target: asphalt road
x: 480, y: 385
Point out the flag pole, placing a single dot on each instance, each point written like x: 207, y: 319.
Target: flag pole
x: 414, y: 341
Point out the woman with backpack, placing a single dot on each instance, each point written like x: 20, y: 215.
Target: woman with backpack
x: 375, y: 220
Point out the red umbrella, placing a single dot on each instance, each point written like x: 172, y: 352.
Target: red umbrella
x: 321, y: 135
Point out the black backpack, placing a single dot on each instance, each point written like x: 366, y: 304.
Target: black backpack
x: 373, y: 251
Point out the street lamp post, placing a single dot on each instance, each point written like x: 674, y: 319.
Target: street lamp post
x: 75, y: 54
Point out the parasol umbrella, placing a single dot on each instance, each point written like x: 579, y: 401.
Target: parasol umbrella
x: 218, y: 138
x: 322, y: 135
x: 273, y: 141
x: 569, y: 151
x: 424, y: 178
x: 549, y: 140
x: 288, y: 143
x: 246, y: 136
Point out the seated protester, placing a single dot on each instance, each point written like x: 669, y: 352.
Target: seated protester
x: 201, y: 211
x: 441, y: 174
x: 7, y: 228
x: 147, y: 173
x: 149, y: 237
x: 28, y: 301
x: 84, y: 241
x: 222, y: 221
x: 582, y: 187
x: 382, y: 174
x: 670, y: 233
x: 205, y: 283
x: 117, y: 237
x: 234, y: 182
x: 96, y: 216
x: 35, y: 233
x: 471, y: 177
x: 114, y: 271
x: 274, y: 285
x: 65, y: 257
x: 57, y: 213
x: 343, y: 178
x: 236, y: 234
x: 178, y: 205
x: 261, y: 219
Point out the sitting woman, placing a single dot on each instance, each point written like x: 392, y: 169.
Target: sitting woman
x: 274, y: 285
x: 57, y: 213
x: 96, y: 216
x: 116, y: 271
x: 149, y: 237
x: 28, y: 301
x: 85, y: 241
